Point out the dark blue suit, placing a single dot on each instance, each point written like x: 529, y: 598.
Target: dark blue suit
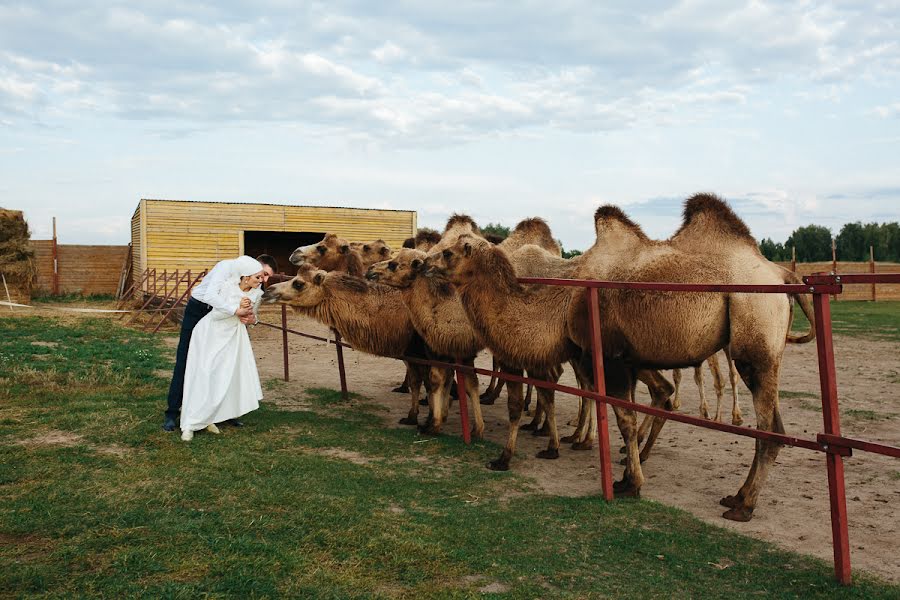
x: 193, y: 312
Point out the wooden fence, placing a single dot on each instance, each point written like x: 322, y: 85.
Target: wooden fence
x: 858, y: 291
x: 81, y: 269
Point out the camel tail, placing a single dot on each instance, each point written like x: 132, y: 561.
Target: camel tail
x: 806, y: 306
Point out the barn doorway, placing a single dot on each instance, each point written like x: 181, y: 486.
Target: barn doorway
x: 279, y: 244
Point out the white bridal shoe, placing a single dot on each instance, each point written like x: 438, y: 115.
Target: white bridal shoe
x: 187, y: 436
x: 212, y: 428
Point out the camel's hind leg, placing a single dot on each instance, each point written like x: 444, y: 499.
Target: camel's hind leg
x: 676, y: 377
x: 440, y: 380
x: 763, y: 384
x: 736, y: 417
x: 546, y: 400
x: 660, y: 393
x: 698, y: 379
x: 718, y: 384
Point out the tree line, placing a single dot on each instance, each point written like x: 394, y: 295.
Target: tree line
x: 813, y: 243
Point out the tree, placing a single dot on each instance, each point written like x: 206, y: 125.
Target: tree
x: 496, y: 229
x: 567, y: 253
x: 851, y: 243
x: 813, y: 243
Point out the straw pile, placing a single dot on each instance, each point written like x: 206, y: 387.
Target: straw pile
x: 16, y: 255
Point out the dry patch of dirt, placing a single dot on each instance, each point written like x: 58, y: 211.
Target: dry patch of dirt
x: 53, y: 438
x: 690, y: 468
x: 45, y: 344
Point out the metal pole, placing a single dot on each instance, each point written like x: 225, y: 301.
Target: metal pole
x: 832, y: 422
x: 284, y: 340
x: 340, y: 358
x: 833, y: 263
x: 600, y: 388
x: 872, y: 270
x: 55, y: 261
x: 463, y: 404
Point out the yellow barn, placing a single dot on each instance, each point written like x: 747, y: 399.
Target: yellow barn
x: 178, y: 234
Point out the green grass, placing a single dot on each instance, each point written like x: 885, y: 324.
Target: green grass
x: 325, y: 502
x: 880, y: 320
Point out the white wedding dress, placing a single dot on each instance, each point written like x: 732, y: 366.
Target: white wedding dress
x: 221, y: 381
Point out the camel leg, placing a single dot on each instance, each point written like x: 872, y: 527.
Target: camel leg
x: 676, y: 377
x: 528, y: 397
x: 471, y: 381
x: 534, y: 425
x: 403, y: 388
x: 514, y: 406
x: 698, y: 379
x: 414, y: 380
x: 439, y: 399
x: 619, y: 379
x: 546, y: 398
x: 493, y: 392
x: 586, y: 426
x: 736, y: 418
x: 718, y: 384
x: 763, y: 385
x: 660, y: 393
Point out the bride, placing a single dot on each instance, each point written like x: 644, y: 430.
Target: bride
x: 221, y: 381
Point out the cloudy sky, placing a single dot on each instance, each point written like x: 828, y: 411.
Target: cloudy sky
x: 506, y: 110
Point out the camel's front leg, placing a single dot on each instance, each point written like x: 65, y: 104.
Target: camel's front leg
x: 619, y: 380
x: 414, y: 379
x: 736, y: 417
x: 514, y: 406
x: 439, y: 399
x: 471, y: 382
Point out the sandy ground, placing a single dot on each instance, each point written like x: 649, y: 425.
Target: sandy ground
x: 690, y: 468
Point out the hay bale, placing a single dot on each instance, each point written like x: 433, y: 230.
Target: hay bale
x: 16, y: 255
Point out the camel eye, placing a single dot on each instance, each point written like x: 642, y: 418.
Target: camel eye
x: 384, y: 252
x: 447, y: 254
x: 298, y: 285
x: 366, y: 248
x: 392, y: 266
x: 322, y: 249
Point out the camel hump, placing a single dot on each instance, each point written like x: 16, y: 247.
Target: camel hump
x: 532, y: 231
x: 609, y: 214
x: 708, y: 216
x: 458, y: 220
x: 428, y: 237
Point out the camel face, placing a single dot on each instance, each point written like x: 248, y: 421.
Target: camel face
x: 300, y: 291
x: 325, y: 255
x: 371, y: 252
x: 400, y: 271
x: 455, y: 263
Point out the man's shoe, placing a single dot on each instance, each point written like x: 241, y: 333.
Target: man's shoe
x: 235, y: 423
x: 170, y: 424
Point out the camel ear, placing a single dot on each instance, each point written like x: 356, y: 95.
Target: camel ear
x: 318, y: 278
x: 467, y: 249
x: 416, y: 264
x: 345, y: 249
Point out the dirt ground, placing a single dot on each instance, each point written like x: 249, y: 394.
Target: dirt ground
x: 690, y: 468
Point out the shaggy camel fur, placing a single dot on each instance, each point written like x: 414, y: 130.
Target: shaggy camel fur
x: 333, y: 253
x: 371, y: 252
x: 371, y: 318
x: 643, y: 329
x: 425, y: 240
x: 437, y: 316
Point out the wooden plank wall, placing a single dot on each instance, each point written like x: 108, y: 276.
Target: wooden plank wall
x: 82, y: 269
x: 883, y: 291
x: 196, y: 235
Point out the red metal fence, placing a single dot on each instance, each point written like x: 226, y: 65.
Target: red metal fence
x: 830, y: 441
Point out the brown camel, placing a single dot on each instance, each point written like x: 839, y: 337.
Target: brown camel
x: 642, y: 328
x: 333, y: 253
x: 424, y: 240
x: 372, y: 318
x: 718, y: 384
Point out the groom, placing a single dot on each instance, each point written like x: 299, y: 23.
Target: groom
x: 205, y: 297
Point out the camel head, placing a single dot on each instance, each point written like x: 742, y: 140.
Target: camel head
x: 304, y: 290
x: 371, y: 252
x: 325, y: 255
x: 460, y: 263
x: 400, y: 271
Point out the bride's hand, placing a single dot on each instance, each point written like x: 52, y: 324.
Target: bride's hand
x: 245, y: 302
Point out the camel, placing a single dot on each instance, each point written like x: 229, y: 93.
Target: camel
x: 424, y: 240
x: 370, y: 317
x: 333, y: 253
x: 642, y: 329
x: 718, y: 384
x: 371, y: 252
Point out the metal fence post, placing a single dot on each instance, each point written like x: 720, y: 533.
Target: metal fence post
x: 832, y: 422
x: 340, y: 359
x: 284, y: 340
x: 600, y: 387
x: 463, y: 404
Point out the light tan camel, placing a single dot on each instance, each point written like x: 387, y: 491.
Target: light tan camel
x: 333, y: 253
x: 718, y: 385
x: 642, y: 328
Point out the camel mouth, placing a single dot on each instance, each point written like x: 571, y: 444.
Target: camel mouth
x: 371, y: 276
x: 270, y: 296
